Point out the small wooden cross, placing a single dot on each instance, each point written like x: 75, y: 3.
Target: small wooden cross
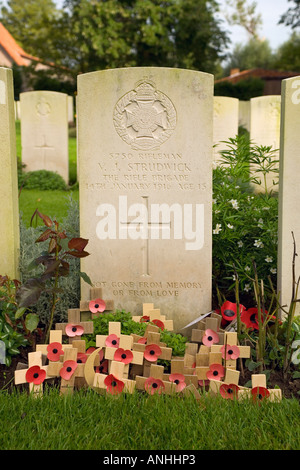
x: 154, y: 314
x: 260, y: 381
x: 231, y: 378
x: 34, y: 360
x: 71, y: 328
x: 95, y: 293
x: 231, y: 340
x: 178, y: 367
x: 55, y: 369
x: 55, y: 337
x: 151, y: 386
x: 116, y: 375
x: 209, y: 323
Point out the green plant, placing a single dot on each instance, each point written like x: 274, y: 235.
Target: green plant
x: 55, y: 265
x: 244, y: 223
x: 16, y: 324
x: 41, y: 179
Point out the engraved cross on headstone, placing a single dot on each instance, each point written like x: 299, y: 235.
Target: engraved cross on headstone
x: 145, y: 226
x: 44, y: 148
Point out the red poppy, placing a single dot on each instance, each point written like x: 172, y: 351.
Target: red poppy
x: 142, y: 340
x: 260, y: 393
x: 81, y: 358
x: 229, y: 312
x: 210, y: 337
x: 179, y: 380
x: 216, y: 372
x: 159, y: 323
x: 102, y: 368
x: 153, y: 385
x: 35, y: 375
x: 90, y: 350
x: 250, y: 318
x: 97, y: 305
x: 232, y: 352
x: 229, y: 391
x: 68, y: 369
x: 152, y: 352
x: 74, y: 330
x: 112, y: 341
x: 54, y: 351
x: 203, y: 383
x: 113, y: 385
x: 123, y: 355
x: 145, y: 318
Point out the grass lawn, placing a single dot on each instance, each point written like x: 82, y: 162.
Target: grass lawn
x: 89, y: 421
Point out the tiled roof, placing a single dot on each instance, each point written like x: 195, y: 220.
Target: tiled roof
x: 17, y: 54
x: 260, y: 73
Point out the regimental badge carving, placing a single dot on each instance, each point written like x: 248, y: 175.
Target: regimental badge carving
x: 43, y: 108
x: 144, y: 117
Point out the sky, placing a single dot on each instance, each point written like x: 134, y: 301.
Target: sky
x: 271, y: 11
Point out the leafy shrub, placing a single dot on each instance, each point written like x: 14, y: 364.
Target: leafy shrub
x: 42, y: 179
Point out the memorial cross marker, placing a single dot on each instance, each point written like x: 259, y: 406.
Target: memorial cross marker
x: 145, y: 161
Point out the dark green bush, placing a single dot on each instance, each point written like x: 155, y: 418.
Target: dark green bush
x: 41, y: 179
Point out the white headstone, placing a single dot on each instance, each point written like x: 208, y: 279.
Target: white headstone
x: 9, y: 211
x: 226, y: 122
x: 289, y: 188
x: 44, y: 131
x: 265, y: 130
x: 70, y: 109
x: 145, y: 146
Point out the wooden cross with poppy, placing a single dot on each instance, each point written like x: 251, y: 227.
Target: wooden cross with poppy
x: 96, y: 305
x: 184, y: 373
x: 230, y: 350
x: 55, y: 349
x: 75, y: 328
x: 68, y: 370
x: 114, y: 383
x: 259, y: 390
x: 208, y: 331
x: 34, y: 375
x: 155, y: 383
x: 151, y: 314
x: 228, y: 388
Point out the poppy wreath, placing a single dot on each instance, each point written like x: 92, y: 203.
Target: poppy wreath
x: 153, y: 385
x: 229, y: 391
x: 123, y: 355
x: 54, y: 351
x: 74, y: 330
x: 113, y: 385
x: 97, y: 305
x: 152, y: 352
x: 35, y: 375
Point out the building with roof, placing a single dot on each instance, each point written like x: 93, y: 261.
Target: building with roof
x: 272, y: 78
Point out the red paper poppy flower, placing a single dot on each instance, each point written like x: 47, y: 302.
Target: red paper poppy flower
x: 229, y: 392
x: 153, y: 385
x: 179, y: 380
x: 54, y: 351
x: 210, y: 337
x: 142, y: 340
x: 203, y: 383
x: 260, y: 393
x: 123, y: 355
x: 232, y: 352
x: 113, y: 385
x: 97, y: 305
x: 81, y: 358
x: 216, y: 372
x: 229, y: 312
x: 250, y: 319
x: 112, y: 341
x: 145, y: 318
x: 152, y: 352
x: 159, y: 323
x: 68, y: 369
x: 35, y: 375
x: 74, y: 330
x: 102, y: 368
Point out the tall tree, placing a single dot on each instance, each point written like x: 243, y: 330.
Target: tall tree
x: 292, y: 16
x: 255, y: 53
x: 244, y: 14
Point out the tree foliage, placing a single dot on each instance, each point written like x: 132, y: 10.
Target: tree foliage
x: 244, y: 14
x: 292, y: 16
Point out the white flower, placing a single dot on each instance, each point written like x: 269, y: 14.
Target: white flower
x: 273, y: 270
x: 234, y: 277
x: 240, y: 243
x: 269, y: 259
x: 217, y: 229
x: 258, y: 244
x: 234, y: 203
x: 230, y: 226
x: 247, y: 268
x: 214, y: 201
x: 247, y: 287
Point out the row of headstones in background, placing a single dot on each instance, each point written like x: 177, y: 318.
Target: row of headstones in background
x: 142, y: 149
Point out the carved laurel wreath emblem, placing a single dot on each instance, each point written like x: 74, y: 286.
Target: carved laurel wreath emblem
x: 144, y: 117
